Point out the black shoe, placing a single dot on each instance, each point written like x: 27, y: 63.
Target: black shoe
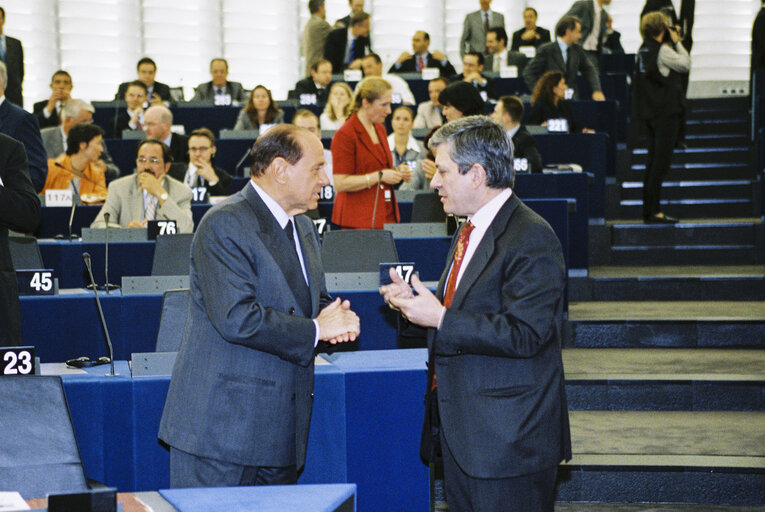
x: 656, y: 219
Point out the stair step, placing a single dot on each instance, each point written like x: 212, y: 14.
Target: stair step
x: 730, y: 103
x: 719, y: 126
x: 711, y: 457
x: 664, y: 379
x: 667, y: 324
x: 691, y: 208
x: 730, y: 232
x: 695, y: 171
x: 717, y: 140
x: 686, y: 255
x: 702, y: 189
x: 732, y: 154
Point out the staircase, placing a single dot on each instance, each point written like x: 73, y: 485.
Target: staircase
x: 665, y: 359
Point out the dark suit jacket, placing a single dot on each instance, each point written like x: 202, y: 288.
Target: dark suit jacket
x: 14, y: 61
x: 179, y: 148
x: 222, y: 188
x: 497, y: 354
x: 206, y: 92
x: 758, y: 41
x: 45, y: 122
x: 410, y: 66
x: 308, y: 86
x: 119, y: 123
x: 22, y: 126
x: 162, y: 89
x: 585, y: 11
x: 334, y: 48
x: 242, y: 384
x: 524, y: 146
x: 550, y: 58
x: 543, y: 33
x: 19, y: 211
x: 488, y: 85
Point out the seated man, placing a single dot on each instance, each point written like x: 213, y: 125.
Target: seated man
x: 73, y: 112
x: 317, y: 84
x: 372, y: 66
x: 508, y: 113
x: 530, y: 34
x: 304, y: 118
x: 422, y: 58
x: 149, y: 194
x: 472, y: 73
x: 220, y: 91
x: 157, y: 92
x: 345, y: 47
x: 429, y: 112
x: 496, y: 48
x: 200, y: 171
x: 132, y: 117
x: 158, y: 121
x: 47, y: 111
x: 76, y: 168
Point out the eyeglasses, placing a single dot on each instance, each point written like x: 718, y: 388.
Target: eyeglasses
x: 153, y: 160
x: 204, y: 148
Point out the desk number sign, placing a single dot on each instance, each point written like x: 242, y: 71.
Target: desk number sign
x: 199, y: 195
x: 404, y: 271
x: 327, y: 193
x: 155, y: 228
x: 321, y: 225
x: 35, y: 282
x: 17, y: 360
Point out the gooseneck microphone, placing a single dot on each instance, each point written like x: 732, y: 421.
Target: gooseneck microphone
x: 86, y: 259
x: 71, y: 212
x: 241, y: 160
x: 107, y: 286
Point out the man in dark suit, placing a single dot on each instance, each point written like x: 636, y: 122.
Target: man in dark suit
x: 22, y: 126
x: 356, y: 6
x: 132, y: 117
x: 239, y: 404
x: 48, y: 111
x: 158, y: 121
x: 158, y: 93
x: 530, y: 34
x: 12, y: 54
x: 422, y: 58
x: 200, y: 171
x: 496, y: 402
x: 345, y: 47
x: 593, y: 26
x: 550, y: 57
x: 19, y: 211
x: 472, y: 73
x: 509, y: 112
x: 317, y: 84
x: 220, y: 91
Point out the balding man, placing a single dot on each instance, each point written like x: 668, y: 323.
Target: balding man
x: 220, y: 91
x: 75, y: 111
x: 21, y: 125
x: 157, y: 121
x: 422, y: 58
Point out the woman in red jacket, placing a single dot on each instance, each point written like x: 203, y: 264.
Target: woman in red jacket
x: 362, y: 165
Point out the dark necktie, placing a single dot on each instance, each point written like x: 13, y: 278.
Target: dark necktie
x: 301, y: 292
x: 289, y: 230
x: 218, y: 91
x: 485, y: 22
x: 352, y: 51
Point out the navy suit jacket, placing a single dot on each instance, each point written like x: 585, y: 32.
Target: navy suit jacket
x: 497, y: 355
x: 14, y: 62
x: 410, y: 66
x: 22, y: 126
x: 20, y: 211
x: 550, y: 58
x: 241, y: 389
x: 334, y: 48
x: 45, y: 122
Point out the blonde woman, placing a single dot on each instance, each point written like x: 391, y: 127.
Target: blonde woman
x: 338, y: 107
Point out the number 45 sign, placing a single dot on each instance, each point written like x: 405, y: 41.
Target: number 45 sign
x: 17, y: 360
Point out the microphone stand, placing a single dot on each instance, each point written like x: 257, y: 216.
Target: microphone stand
x: 241, y: 160
x: 75, y: 200
x: 377, y: 196
x: 86, y: 259
x: 107, y: 286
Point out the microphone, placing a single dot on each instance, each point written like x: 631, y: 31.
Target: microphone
x: 71, y: 212
x: 107, y: 286
x: 241, y: 160
x: 86, y: 259
x: 79, y: 175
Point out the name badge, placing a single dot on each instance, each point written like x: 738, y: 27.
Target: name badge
x: 557, y: 125
x: 528, y: 51
x: 508, y: 72
x: 352, y: 75
x: 36, y: 282
x: 387, y: 195
x: 59, y: 197
x: 17, y: 360
x: 222, y: 100
x: 327, y: 193
x: 520, y: 165
x: 155, y: 228
x: 308, y: 99
x: 430, y: 73
x: 321, y: 225
x: 404, y: 271
x: 199, y: 195
x: 568, y: 94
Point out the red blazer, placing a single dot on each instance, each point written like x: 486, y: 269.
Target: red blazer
x: 353, y: 152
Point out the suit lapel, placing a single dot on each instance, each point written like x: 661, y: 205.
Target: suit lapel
x: 135, y: 201
x: 312, y: 260
x: 559, y: 57
x: 367, y: 141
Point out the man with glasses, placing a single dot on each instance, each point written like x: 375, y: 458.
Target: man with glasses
x: 149, y: 194
x: 200, y: 171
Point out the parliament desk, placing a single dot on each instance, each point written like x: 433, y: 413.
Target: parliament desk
x: 365, y: 427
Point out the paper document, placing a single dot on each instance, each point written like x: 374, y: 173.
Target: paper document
x: 12, y: 501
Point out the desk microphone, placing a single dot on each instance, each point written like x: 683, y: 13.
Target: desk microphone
x: 241, y: 160
x: 80, y: 175
x: 107, y: 286
x: 86, y: 259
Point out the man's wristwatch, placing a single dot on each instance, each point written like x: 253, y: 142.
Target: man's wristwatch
x: 163, y: 196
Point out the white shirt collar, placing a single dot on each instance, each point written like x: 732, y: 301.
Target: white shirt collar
x: 275, y: 208
x: 511, y: 133
x: 2, y: 99
x: 410, y: 144
x: 63, y: 135
x: 168, y: 139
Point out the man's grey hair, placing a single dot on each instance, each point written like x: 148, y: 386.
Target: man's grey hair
x: 3, y: 75
x: 166, y: 116
x: 479, y: 140
x: 74, y: 106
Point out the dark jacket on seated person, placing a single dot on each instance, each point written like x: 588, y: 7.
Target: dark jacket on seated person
x: 308, y: 86
x: 163, y: 90
x: 543, y: 33
x: 410, y: 66
x: 222, y: 188
x: 487, y: 86
x: 524, y: 146
x: 541, y: 111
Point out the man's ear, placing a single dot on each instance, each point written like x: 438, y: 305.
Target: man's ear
x: 279, y: 168
x: 478, y: 175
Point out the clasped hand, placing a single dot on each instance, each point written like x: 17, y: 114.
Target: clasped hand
x: 337, y: 323
x: 423, y: 309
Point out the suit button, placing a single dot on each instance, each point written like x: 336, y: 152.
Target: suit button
x: 292, y: 311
